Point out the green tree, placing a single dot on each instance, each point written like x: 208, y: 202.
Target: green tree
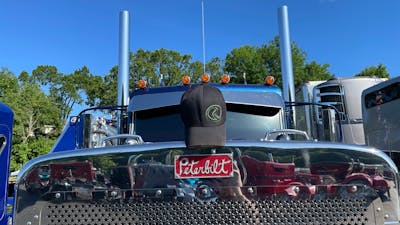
x: 141, y: 66
x: 8, y: 84
x: 23, y: 152
x: 40, y: 146
x: 25, y: 78
x: 33, y: 111
x: 169, y: 67
x: 374, y: 71
x: 214, y: 68
x: 96, y: 90
x: 65, y: 90
x: 258, y: 62
x: 103, y: 90
x: 315, y: 71
x: 162, y: 65
x: 195, y: 71
x: 19, y: 155
x: 245, y: 62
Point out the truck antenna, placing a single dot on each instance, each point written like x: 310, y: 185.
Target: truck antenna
x: 203, y: 36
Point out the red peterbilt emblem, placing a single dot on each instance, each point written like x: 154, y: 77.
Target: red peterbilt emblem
x: 203, y: 166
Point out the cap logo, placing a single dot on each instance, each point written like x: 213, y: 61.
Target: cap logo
x: 214, y: 113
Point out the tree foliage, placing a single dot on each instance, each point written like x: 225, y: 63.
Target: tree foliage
x: 65, y: 90
x: 161, y: 67
x: 168, y: 67
x: 314, y: 71
x: 257, y: 62
x: 374, y: 71
x: 245, y: 62
x: 22, y: 152
x: 33, y: 111
x: 8, y: 84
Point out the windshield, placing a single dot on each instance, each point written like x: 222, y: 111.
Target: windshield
x: 243, y: 122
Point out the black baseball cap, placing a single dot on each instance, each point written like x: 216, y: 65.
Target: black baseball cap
x: 203, y: 112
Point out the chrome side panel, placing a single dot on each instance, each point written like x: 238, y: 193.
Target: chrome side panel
x: 273, y: 182
x: 353, y: 90
x: 353, y: 133
x: 305, y: 118
x: 381, y: 122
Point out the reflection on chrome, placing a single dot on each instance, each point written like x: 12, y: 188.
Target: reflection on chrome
x: 313, y: 185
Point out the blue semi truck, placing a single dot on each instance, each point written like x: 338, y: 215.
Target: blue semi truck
x: 96, y: 174
x: 132, y: 164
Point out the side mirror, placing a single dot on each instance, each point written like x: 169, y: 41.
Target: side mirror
x: 329, y: 131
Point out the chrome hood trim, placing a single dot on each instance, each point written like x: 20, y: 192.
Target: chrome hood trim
x: 295, y: 145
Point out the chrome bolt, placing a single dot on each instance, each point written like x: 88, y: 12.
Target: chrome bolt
x: 58, y: 195
x: 158, y: 192
x: 296, y: 189
x: 250, y: 190
x: 204, y: 191
x: 353, y: 189
x: 74, y: 119
x: 378, y: 209
x: 29, y: 223
x: 36, y: 216
x: 386, y: 216
x: 114, y: 194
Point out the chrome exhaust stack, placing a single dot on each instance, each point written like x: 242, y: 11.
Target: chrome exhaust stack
x: 286, y: 64
x: 123, y: 69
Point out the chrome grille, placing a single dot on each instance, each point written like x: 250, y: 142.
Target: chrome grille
x: 331, y: 211
x: 333, y: 95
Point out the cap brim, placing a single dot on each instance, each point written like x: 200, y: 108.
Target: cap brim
x: 205, y: 136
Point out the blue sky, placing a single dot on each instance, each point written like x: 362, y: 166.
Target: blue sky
x: 348, y: 34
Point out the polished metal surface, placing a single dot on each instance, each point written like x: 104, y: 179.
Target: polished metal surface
x: 307, y: 183
x: 226, y: 212
x: 381, y: 121
x: 294, y: 146
x: 123, y: 68
x: 286, y: 61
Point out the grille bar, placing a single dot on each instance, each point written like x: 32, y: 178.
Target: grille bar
x: 261, y: 211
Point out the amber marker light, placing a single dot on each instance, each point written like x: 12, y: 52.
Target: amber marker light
x: 185, y: 80
x: 141, y: 84
x: 225, y: 79
x: 269, y: 80
x: 205, y: 78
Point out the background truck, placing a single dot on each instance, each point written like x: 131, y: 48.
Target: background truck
x: 321, y: 122
x: 381, y: 121
x: 6, y: 124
